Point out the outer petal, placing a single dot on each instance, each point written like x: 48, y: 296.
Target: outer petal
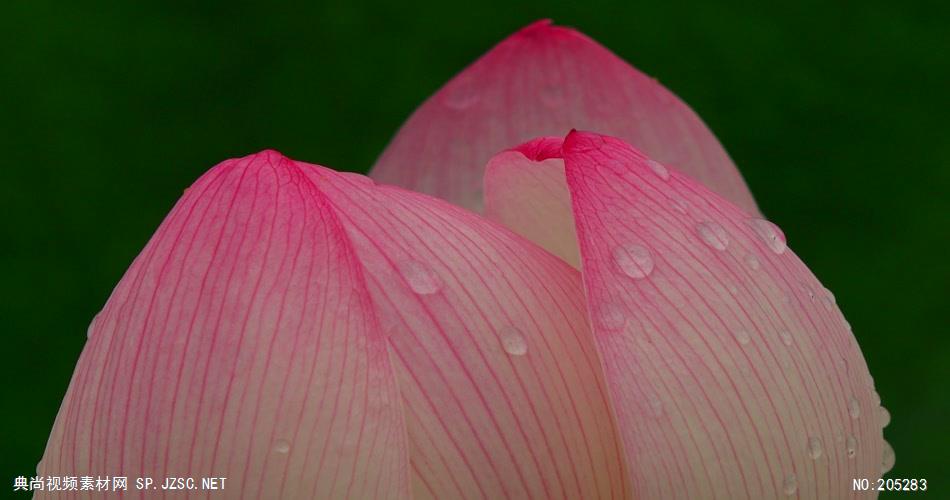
x: 500, y: 380
x: 240, y: 344
x: 732, y: 372
x: 546, y: 80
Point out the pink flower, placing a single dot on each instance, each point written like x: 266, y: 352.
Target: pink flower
x: 620, y: 322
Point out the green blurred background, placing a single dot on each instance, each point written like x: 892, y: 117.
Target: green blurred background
x: 837, y: 116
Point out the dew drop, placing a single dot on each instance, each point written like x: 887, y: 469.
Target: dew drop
x: 769, y: 233
x: 888, y: 458
x: 814, y: 447
x: 713, y: 235
x: 790, y: 485
x: 805, y: 289
x: 786, y: 337
x: 633, y: 260
x: 461, y: 95
x: 854, y: 409
x: 883, y: 416
x: 742, y: 336
x: 752, y: 261
x: 876, y: 397
x: 92, y: 324
x: 828, y: 300
x: 656, y: 406
x: 851, y: 446
x: 679, y: 204
x: 658, y: 169
x: 282, y: 446
x: 420, y: 278
x: 513, y: 341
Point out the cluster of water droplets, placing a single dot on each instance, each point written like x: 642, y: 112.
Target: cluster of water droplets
x: 883, y: 420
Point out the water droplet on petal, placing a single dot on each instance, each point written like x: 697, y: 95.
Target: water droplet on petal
x: 679, y: 204
x: 876, y: 397
x: 634, y: 260
x: 419, y: 277
x: 851, y: 446
x: 854, y: 408
x: 769, y: 233
x: 461, y: 95
x: 658, y: 169
x: 513, y: 342
x: 786, y: 337
x: 282, y: 446
x: 888, y: 458
x: 828, y: 300
x: 883, y: 416
x: 92, y: 324
x: 805, y: 289
x: 742, y: 336
x: 752, y: 261
x: 713, y: 235
x: 814, y: 448
x: 656, y: 406
x: 790, y: 485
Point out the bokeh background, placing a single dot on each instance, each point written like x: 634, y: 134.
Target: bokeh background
x: 836, y: 114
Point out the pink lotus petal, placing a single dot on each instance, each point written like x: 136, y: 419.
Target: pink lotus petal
x: 502, y: 387
x: 241, y: 343
x: 531, y: 197
x: 731, y: 370
x: 546, y: 80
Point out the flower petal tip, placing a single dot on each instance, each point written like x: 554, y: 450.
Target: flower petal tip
x: 540, y: 149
